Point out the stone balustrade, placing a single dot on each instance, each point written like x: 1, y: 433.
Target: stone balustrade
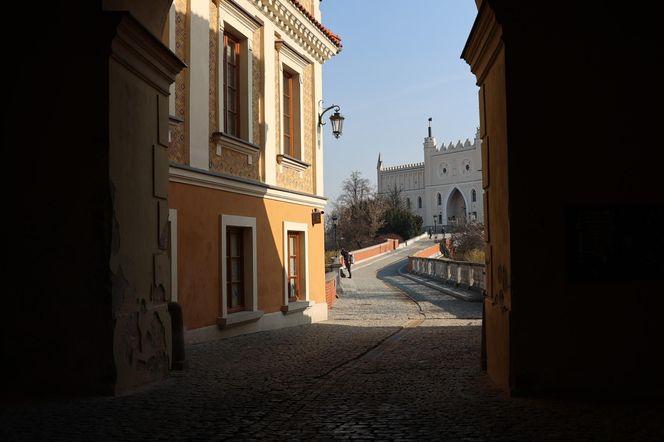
x: 468, y: 275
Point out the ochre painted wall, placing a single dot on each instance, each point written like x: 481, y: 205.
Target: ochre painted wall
x: 574, y: 281
x: 199, y: 242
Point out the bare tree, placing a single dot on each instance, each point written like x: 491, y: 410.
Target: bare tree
x: 397, y: 219
x: 359, y: 212
x: 355, y: 190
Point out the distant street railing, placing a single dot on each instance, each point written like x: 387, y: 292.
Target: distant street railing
x: 464, y: 274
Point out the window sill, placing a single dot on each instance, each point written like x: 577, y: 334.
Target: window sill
x: 296, y: 306
x: 293, y: 163
x: 233, y: 319
x: 239, y: 145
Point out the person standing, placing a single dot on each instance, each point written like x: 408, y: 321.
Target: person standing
x: 347, y: 260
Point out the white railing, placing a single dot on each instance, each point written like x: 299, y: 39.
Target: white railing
x: 468, y: 275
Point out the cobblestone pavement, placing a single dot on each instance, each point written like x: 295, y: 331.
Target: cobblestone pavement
x: 379, y: 369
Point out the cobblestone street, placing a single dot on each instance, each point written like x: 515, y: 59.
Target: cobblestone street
x: 385, y: 366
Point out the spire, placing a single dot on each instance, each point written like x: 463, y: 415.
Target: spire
x: 379, y: 165
x: 430, y: 141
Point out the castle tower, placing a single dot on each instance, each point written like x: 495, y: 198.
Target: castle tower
x: 430, y: 141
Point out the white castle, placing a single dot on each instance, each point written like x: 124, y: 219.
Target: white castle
x: 447, y: 185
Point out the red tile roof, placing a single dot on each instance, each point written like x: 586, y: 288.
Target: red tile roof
x: 334, y: 38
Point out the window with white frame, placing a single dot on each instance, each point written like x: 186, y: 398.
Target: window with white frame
x: 238, y: 265
x: 292, y: 66
x: 296, y: 274
x: 235, y: 88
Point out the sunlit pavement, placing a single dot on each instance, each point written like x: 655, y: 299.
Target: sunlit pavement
x: 382, y: 368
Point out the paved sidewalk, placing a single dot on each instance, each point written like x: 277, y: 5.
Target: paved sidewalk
x: 389, y: 275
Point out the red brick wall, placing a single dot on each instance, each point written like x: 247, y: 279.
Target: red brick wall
x: 372, y: 251
x: 429, y: 251
x: 330, y: 291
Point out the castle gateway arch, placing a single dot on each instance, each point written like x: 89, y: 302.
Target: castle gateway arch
x: 456, y: 208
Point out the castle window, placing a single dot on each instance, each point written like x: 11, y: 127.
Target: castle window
x: 419, y: 202
x: 473, y: 196
x: 440, y: 200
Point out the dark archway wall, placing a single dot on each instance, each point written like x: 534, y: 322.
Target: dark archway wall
x: 583, y: 203
x: 82, y: 132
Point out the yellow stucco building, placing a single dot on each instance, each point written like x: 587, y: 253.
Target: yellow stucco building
x: 246, y: 164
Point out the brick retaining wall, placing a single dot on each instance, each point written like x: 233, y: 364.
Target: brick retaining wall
x: 331, y: 288
x: 429, y: 251
x: 370, y: 252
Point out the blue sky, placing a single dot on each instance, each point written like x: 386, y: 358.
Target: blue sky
x: 399, y: 66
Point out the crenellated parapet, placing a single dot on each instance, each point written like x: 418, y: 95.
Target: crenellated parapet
x: 402, y: 167
x: 458, y: 146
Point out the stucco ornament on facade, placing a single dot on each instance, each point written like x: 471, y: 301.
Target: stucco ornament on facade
x: 177, y: 151
x: 297, y: 26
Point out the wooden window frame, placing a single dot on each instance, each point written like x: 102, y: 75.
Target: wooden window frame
x: 229, y: 265
x: 288, y: 129
x: 297, y: 277
x: 302, y: 230
x: 230, y: 39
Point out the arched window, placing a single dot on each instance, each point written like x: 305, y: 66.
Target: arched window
x: 408, y: 203
x: 473, y: 196
x: 419, y: 202
x: 440, y: 199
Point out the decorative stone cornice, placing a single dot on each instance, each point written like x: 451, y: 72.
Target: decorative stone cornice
x: 238, y: 13
x: 291, y: 54
x: 227, y: 183
x: 143, y: 54
x: 294, y: 23
x: 484, y: 42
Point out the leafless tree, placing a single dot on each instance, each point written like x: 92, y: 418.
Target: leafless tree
x: 359, y: 212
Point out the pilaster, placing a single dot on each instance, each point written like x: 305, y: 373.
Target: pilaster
x: 199, y: 84
x: 270, y: 104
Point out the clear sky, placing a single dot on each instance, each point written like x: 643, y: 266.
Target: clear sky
x: 400, y: 64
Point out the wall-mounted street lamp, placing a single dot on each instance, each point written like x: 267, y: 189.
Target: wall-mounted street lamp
x: 336, y: 119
